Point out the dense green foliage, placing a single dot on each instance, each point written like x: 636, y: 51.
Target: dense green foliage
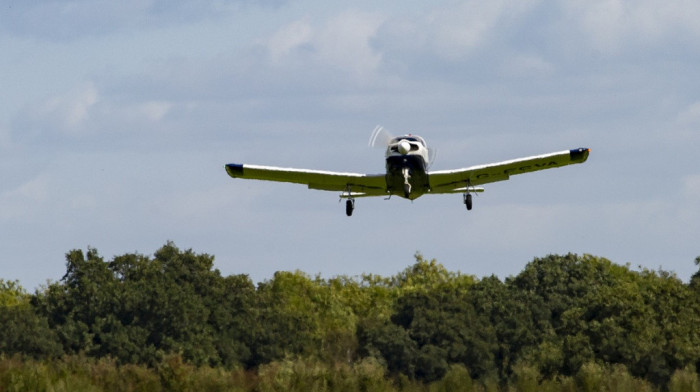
x: 136, y: 322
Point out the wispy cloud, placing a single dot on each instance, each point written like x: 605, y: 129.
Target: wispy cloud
x: 616, y: 26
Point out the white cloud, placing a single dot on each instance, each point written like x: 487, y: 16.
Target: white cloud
x: 83, y: 114
x: 287, y: 39
x: 343, y: 43
x: 690, y: 115
x: 614, y: 25
x: 60, y: 115
x: 71, y: 109
x: 453, y: 31
x: 25, y: 200
x: 458, y: 29
x: 155, y: 110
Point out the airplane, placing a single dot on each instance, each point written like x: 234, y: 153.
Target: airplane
x: 408, y: 159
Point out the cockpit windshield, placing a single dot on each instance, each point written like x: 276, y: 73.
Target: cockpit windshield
x: 410, y: 138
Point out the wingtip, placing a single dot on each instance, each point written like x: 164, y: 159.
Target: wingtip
x: 579, y: 154
x: 234, y: 169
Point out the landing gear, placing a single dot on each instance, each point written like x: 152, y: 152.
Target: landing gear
x: 406, y: 183
x: 349, y: 206
x: 350, y: 202
x: 468, y: 201
x: 468, y: 196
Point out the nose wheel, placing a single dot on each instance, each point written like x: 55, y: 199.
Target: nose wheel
x: 349, y: 206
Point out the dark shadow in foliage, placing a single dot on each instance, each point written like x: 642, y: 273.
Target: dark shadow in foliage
x: 505, y: 311
x: 431, y: 329
x: 389, y: 342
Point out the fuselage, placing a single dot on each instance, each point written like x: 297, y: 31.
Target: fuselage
x: 407, y: 167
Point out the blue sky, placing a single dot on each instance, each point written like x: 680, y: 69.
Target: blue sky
x: 116, y: 119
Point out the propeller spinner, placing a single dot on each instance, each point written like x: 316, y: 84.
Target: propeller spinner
x: 404, y: 147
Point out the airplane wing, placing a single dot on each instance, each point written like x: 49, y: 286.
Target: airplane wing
x: 352, y: 184
x: 456, y: 181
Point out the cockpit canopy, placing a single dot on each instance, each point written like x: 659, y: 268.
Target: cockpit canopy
x: 410, y: 138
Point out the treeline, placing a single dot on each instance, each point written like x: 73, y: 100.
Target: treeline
x: 564, y: 323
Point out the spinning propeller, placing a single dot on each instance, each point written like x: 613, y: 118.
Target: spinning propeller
x: 381, y: 137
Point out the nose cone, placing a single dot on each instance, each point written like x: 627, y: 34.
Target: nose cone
x: 404, y: 147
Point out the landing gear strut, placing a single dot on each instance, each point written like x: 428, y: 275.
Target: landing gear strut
x: 406, y: 183
x: 349, y: 206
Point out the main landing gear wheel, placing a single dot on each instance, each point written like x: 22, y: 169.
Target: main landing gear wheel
x: 468, y: 201
x: 349, y: 207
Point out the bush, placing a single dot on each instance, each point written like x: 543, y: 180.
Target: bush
x: 684, y: 380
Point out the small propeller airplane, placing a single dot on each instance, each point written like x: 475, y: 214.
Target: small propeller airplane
x: 407, y: 161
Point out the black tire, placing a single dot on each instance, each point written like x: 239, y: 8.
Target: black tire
x: 349, y: 206
x: 468, y: 201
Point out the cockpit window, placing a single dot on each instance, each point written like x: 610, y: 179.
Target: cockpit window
x: 410, y: 138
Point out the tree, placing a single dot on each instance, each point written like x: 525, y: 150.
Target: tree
x: 695, y: 279
x: 287, y: 323
x: 509, y: 313
x: 434, y: 324
x: 136, y: 308
x: 588, y: 309
x: 23, y: 331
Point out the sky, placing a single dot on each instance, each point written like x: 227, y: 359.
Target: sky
x: 117, y: 118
